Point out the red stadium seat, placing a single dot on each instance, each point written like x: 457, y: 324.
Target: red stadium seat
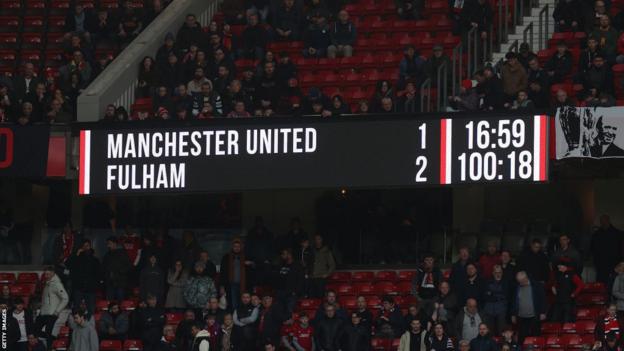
x: 60, y: 344
x: 385, y: 288
x: 569, y: 328
x: 533, y: 341
x: 365, y: 288
x: 133, y: 345
x: 585, y: 327
x: 345, y: 289
x: 101, y: 305
x: 6, y: 277
x: 378, y: 344
x: 128, y: 305
x: 386, y: 275
x: 348, y: 302
x: 174, y: 318
x: 551, y: 328
x: 110, y: 345
x: 373, y: 302
x: 406, y: 275
x: 591, y: 299
x: 404, y: 288
x: 595, y: 288
x: 64, y: 332
x: 340, y: 277
x: 555, y: 342
x: 23, y: 289
x: 587, y: 314
x: 28, y: 277
x: 309, y: 304
x: 362, y: 276
x: 573, y: 341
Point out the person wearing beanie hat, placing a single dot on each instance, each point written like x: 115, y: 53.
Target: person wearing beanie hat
x: 467, y: 100
x: 438, y: 59
x: 200, y: 288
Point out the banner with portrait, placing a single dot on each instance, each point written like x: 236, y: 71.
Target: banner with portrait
x: 589, y: 132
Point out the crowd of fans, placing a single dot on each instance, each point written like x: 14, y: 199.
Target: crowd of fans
x: 250, y: 302
x: 49, y: 95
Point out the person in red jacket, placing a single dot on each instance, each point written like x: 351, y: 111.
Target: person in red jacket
x: 607, y: 324
x: 131, y: 242
x: 300, y: 335
x: 567, y: 285
x: 488, y: 260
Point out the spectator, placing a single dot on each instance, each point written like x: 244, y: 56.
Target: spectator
x: 38, y: 99
x: 439, y: 340
x: 211, y: 269
x: 467, y: 100
x: 190, y: 32
x: 566, y: 253
x: 25, y: 83
x: 26, y: 118
x: 267, y: 91
x: 76, y: 65
x: 559, y: 66
x: 535, y: 262
x: 493, y: 91
x: 245, y: 317
x: 473, y: 286
x: 383, y: 89
x: 433, y: 64
x: 184, y: 337
x: 509, y: 268
x: 445, y: 307
x: 254, y: 39
x: 270, y: 317
x: 411, y: 67
x: 103, y: 28
x: 233, y: 273
x: 84, y: 336
x: 171, y: 72
x: 508, y: 338
x: 287, y: 21
x: 168, y: 341
x: 387, y: 106
x: 289, y: 282
x: 415, y: 338
x: 152, y: 280
x: 148, y: 77
x: 389, y: 324
x: 199, y: 78
x: 477, y: 14
x: 207, y: 95
x: 496, y: 300
x: 528, y: 306
x: 522, y: 102
x: 328, y: 331
x: 130, y: 22
x: 114, y: 323
x: 343, y: 36
x: 363, y: 107
x: 301, y: 335
x: 568, y: 17
x: 417, y: 312
x: 409, y: 102
x: 324, y: 266
x: 330, y: 299
x: 56, y: 114
x: 216, y: 307
x: 34, y: 344
x: 25, y: 320
x: 168, y: 48
x: 213, y: 328
x: 53, y: 300
x: 409, y: 9
x: 316, y: 8
x: 339, y: 107
x: 285, y: 69
x: 5, y: 296
x: 116, y: 267
x: 426, y: 283
x: 201, y: 338
x: 587, y: 56
x: 316, y: 38
x: 366, y: 317
x: 234, y: 95
x: 605, y: 245
x: 78, y: 22
x: 562, y: 99
x: 229, y: 336
x: 514, y: 76
x: 607, y: 324
x: 151, y: 318
x: 200, y: 288
x: 468, y: 320
x: 525, y: 55
x: 84, y: 270
x: 539, y: 88
x: 458, y: 269
x: 488, y: 260
x: 567, y: 285
x: 483, y: 341
x: 598, y: 78
x: 607, y: 37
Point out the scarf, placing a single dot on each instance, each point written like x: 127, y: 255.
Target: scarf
x: 225, y: 339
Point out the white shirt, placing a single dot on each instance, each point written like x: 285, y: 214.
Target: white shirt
x: 21, y: 321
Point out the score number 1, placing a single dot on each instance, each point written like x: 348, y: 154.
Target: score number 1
x: 421, y: 161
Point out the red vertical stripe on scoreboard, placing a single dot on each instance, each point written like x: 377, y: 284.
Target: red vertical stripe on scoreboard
x: 81, y: 178
x: 543, y: 148
x: 443, y: 151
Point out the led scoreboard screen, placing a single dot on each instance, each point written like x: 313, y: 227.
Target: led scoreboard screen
x: 230, y: 155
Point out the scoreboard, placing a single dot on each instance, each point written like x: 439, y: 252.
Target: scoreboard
x: 280, y: 153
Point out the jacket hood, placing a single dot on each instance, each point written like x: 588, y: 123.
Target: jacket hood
x: 202, y: 334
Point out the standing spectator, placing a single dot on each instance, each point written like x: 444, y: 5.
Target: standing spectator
x: 606, y: 248
x: 483, y: 341
x: 245, y: 317
x: 535, y: 262
x: 328, y: 331
x: 355, y: 336
x: 287, y: 21
x: 468, y: 320
x: 171, y: 72
x: 131, y: 243
x: 190, y: 32
x: 229, y: 336
x: 496, y: 300
x: 254, y: 39
x: 568, y: 17
x: 488, y: 260
x: 528, y: 306
x: 84, y: 336
x: 607, y: 325
x: 409, y: 9
x: 415, y: 338
x: 525, y: 55
x: 417, y: 312
x: 598, y: 78
x: 316, y: 38
x: 324, y: 266
x: 199, y: 288
x: 114, y: 323
x: 177, y: 278
x: 116, y: 267
x: 53, y: 300
x: 25, y: 83
x: 289, y: 282
x: 148, y: 77
x: 539, y: 87
x: 559, y: 66
x: 477, y: 14
x: 151, y: 318
x: 509, y: 268
x: 439, y: 340
x: 473, y: 286
x: 343, y: 36
x: 458, y: 269
x: 514, y: 77
x: 411, y: 66
x: 152, y: 280
x: 607, y: 37
x: 433, y: 64
x: 568, y: 254
x: 270, y: 319
x: 445, y: 307
x: 84, y: 270
x: 567, y: 285
x: 426, y: 283
x: 201, y: 338
x: 507, y: 337
x: 183, y: 335
x: 24, y: 318
x: 366, y: 317
x: 233, y: 274
x: 267, y: 93
x: 586, y: 58
x: 189, y: 249
x: 389, y: 324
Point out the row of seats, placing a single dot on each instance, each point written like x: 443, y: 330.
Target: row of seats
x: 105, y: 345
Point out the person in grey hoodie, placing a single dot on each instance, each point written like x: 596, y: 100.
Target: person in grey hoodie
x: 618, y: 288
x: 53, y: 300
x: 84, y: 336
x: 324, y: 266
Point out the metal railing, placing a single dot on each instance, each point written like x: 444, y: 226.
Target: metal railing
x: 544, y: 21
x: 425, y: 95
x: 117, y: 84
x: 442, y: 86
x: 457, y: 61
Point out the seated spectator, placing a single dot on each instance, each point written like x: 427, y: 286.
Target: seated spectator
x: 25, y: 320
x: 426, y: 283
x: 387, y: 106
x: 496, y: 300
x: 316, y: 38
x: 269, y: 57
x: 328, y: 330
x: 287, y: 21
x: 601, y: 100
x: 415, y: 338
x: 234, y: 94
x: 78, y: 22
x: 591, y: 21
x: 56, y: 113
x: 468, y: 320
x: 190, y: 32
x: 525, y: 55
x: 254, y: 39
x: 522, y: 102
x: 383, y: 89
x: 24, y: 83
x: 330, y: 300
x: 409, y: 101
x: 25, y: 117
x: 514, y: 76
x: 271, y: 316
x: 212, y: 327
x: 598, y: 77
x: 223, y: 79
x: 343, y: 36
x: 445, y: 307
x: 363, y: 107
x: 229, y: 336
x: 316, y: 8
x: 290, y: 104
x: 184, y: 338
x: 339, y: 107
x: 83, y: 336
x: 168, y: 341
x: 113, y: 324
x: 168, y: 47
x: 411, y: 66
x: 389, y: 324
x: 528, y: 306
x: 285, y: 69
x: 239, y: 110
x: 607, y: 38
x: 492, y: 90
x: 207, y: 95
x: 314, y: 96
x: 355, y: 337
x: 484, y: 341
x: 562, y: 99
x: 199, y: 78
x: 366, y: 317
x: 608, y: 324
x: 130, y: 22
x: 439, y: 340
x: 300, y: 335
x: 587, y: 56
x: 433, y: 64
x: 467, y: 100
x: 559, y: 66
x: 409, y: 9
x: 182, y: 99
x: 34, y: 344
x: 508, y: 338
x: 201, y: 338
x: 76, y: 65
x: 477, y: 14
x: 220, y: 59
x: 417, y: 312
x: 539, y: 89
x: 568, y: 17
x: 567, y: 285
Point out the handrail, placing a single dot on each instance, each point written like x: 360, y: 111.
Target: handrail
x: 514, y: 46
x: 472, y: 50
x: 116, y: 85
x: 425, y: 86
x: 528, y: 29
x: 543, y: 26
x: 442, y: 86
x: 457, y: 67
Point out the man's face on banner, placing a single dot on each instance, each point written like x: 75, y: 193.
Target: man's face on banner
x: 607, y: 133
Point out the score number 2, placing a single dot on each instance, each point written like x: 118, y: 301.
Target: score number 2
x: 421, y: 161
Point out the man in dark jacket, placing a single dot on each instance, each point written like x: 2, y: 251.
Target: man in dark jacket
x: 535, y: 262
x: 598, y: 77
x: 254, y: 39
x: 151, y: 320
x: 287, y: 21
x: 316, y: 38
x: 245, y: 319
x: 84, y: 271
x: 390, y: 323
x: 183, y: 336
x: 355, y: 336
x: 586, y: 58
x: 567, y: 286
x: 477, y: 14
x: 24, y: 317
x: 565, y: 252
x: 426, y: 282
x: 493, y: 94
x: 568, y: 16
x: 343, y: 35
x: 328, y: 331
x: 606, y: 247
x: 433, y: 64
x: 483, y: 341
x: 472, y: 287
x: 560, y: 64
x: 116, y: 267
x: 495, y: 300
x: 289, y: 281
x: 190, y: 32
x: 411, y: 66
x: 270, y: 320
x: 539, y: 88
x: 458, y: 269
x: 233, y: 273
x: 528, y: 307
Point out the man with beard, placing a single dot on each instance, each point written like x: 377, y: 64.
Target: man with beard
x: 183, y: 334
x: 328, y: 331
x: 289, y: 281
x: 245, y: 317
x: 603, y: 143
x: 114, y: 323
x: 606, y: 247
x: 415, y: 339
x: 426, y: 282
x: 84, y: 270
x: 534, y: 262
x: 355, y: 336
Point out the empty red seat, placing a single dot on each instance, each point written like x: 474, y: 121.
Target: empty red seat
x: 6, y: 277
x: 404, y: 288
x: 595, y: 288
x: 387, y: 275
x: 373, y: 302
x: 554, y: 342
x: 533, y: 341
x: 573, y: 341
x: 309, y: 304
x: 587, y: 314
x: 568, y: 328
x: 406, y: 275
x: 345, y: 289
x: 174, y: 318
x: 385, y: 288
x: 348, y: 302
x: 585, y: 327
x: 128, y: 305
x: 551, y: 328
x: 110, y: 345
x: 23, y: 289
x: 341, y: 276
x: 60, y: 344
x: 133, y: 345
x: 101, y: 305
x: 33, y: 22
x: 591, y: 299
x: 379, y: 344
x: 28, y: 277
x: 364, y: 288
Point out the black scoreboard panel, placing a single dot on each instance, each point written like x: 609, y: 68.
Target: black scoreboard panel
x: 311, y: 153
